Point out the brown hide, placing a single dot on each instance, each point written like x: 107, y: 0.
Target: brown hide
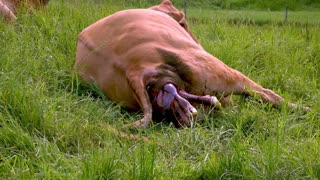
x: 9, y: 8
x: 132, y: 54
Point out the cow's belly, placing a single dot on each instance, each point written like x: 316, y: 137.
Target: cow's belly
x: 113, y: 84
x: 116, y: 88
x: 99, y: 68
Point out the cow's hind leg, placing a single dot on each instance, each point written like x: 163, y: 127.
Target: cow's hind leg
x: 268, y: 95
x: 243, y: 85
x: 240, y: 84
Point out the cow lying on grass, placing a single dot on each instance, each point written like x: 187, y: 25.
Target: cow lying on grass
x: 145, y: 60
x: 9, y: 8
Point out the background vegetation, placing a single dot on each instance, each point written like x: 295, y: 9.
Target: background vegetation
x: 272, y: 5
x: 53, y: 127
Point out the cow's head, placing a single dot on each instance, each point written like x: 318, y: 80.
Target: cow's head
x: 167, y: 7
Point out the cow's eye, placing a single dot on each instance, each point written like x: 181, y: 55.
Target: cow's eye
x: 181, y: 24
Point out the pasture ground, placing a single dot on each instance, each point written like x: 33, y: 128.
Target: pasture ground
x: 53, y: 127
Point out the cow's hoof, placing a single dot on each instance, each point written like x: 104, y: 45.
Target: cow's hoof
x: 215, y: 102
x: 140, y: 124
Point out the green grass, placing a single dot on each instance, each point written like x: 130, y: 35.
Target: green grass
x: 270, y: 5
x: 254, y: 17
x: 53, y: 127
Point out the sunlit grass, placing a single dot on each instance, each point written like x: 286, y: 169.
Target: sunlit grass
x: 254, y: 17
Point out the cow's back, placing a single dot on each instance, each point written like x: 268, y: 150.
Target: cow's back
x: 126, y: 29
x: 110, y: 47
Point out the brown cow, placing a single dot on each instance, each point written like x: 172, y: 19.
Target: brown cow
x: 9, y: 8
x: 144, y: 60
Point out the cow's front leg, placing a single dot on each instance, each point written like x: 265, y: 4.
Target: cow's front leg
x: 142, y: 97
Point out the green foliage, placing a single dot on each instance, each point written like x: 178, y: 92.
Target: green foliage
x: 231, y: 4
x: 52, y: 126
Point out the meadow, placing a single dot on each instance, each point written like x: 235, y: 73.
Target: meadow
x: 53, y: 126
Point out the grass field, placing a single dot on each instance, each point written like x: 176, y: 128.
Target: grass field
x: 53, y: 127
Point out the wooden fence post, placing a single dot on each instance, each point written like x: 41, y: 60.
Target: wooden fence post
x: 185, y: 8
x: 286, y: 15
